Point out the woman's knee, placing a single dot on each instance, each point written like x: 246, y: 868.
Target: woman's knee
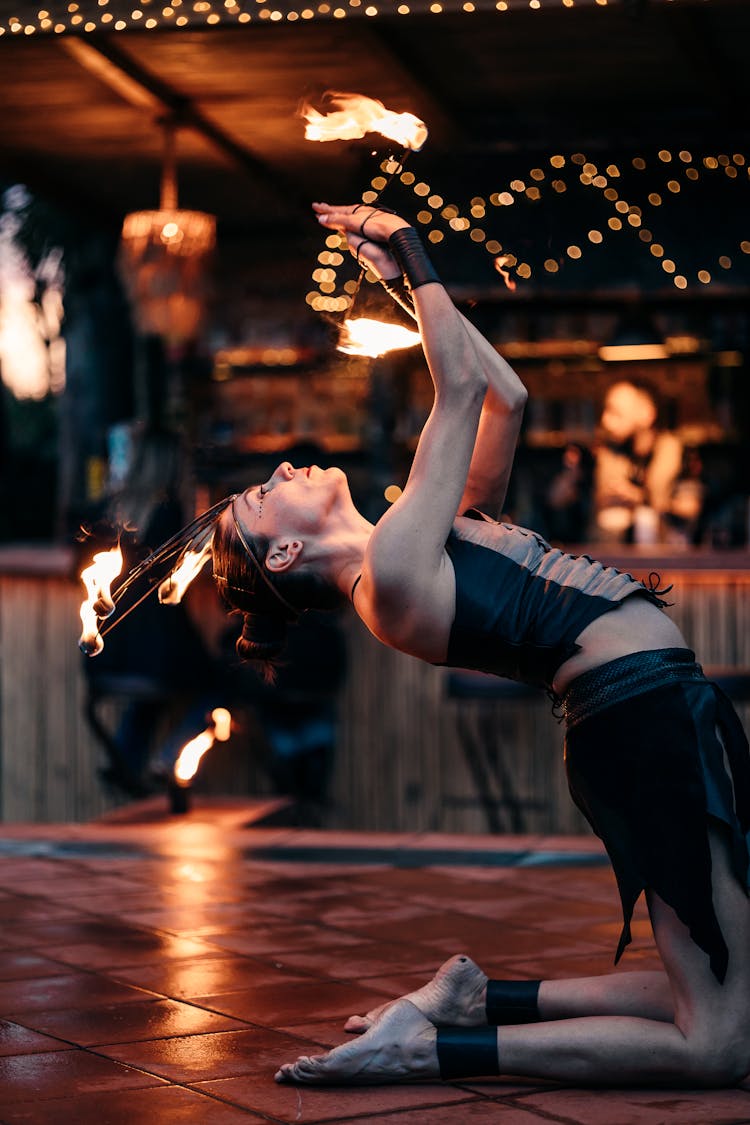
x: 720, y: 1059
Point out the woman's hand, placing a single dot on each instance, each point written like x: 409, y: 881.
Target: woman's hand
x: 367, y: 231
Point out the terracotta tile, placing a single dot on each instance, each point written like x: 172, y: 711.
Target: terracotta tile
x: 17, y: 1040
x: 145, y: 949
x: 183, y: 980
x: 647, y: 1107
x: 74, y: 990
x: 273, y: 956
x: 19, y: 965
x: 322, y: 1033
x: 62, y: 1073
x: 167, y: 1105
x: 296, y: 1002
x: 128, y: 1023
x: 478, y: 1112
x: 364, y: 960
x: 198, y: 1058
x: 20, y: 911
x: 56, y: 888
x: 269, y: 938
x: 307, y: 1104
x: 79, y: 929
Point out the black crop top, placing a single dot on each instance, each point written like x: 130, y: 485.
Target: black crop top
x: 521, y: 604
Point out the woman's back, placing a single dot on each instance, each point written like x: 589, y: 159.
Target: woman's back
x: 527, y: 611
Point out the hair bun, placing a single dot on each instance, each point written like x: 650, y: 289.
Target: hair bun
x: 262, y: 639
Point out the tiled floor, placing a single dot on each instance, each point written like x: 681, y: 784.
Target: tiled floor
x: 158, y: 971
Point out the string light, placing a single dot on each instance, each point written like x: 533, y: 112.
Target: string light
x: 88, y: 15
x: 589, y: 177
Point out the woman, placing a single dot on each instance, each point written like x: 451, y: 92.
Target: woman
x: 646, y: 737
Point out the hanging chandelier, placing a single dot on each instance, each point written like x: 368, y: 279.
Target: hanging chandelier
x: 164, y: 257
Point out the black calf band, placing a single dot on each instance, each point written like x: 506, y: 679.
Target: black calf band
x: 512, y: 1001
x: 406, y: 247
x: 467, y: 1052
x: 401, y: 293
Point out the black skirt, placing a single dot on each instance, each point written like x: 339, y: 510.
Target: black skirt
x: 655, y: 754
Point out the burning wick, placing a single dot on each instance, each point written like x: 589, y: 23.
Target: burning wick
x: 368, y: 337
x: 186, y: 766
x: 99, y: 603
x: 500, y: 263
x: 354, y: 115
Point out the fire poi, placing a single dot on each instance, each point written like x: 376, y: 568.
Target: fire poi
x: 170, y: 569
x: 354, y: 115
x: 367, y: 337
x: 350, y: 116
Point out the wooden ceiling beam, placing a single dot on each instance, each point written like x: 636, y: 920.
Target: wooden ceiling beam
x: 116, y: 68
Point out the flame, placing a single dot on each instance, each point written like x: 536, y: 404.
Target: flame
x: 500, y: 263
x: 373, y: 337
x: 173, y: 587
x: 353, y: 115
x: 97, y: 578
x: 188, y: 760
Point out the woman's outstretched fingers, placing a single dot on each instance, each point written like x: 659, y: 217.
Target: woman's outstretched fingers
x: 354, y: 217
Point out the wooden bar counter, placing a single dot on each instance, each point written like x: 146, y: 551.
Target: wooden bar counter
x: 48, y: 756
x: 411, y: 754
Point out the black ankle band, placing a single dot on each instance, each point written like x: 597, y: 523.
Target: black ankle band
x: 406, y: 247
x: 512, y: 1001
x: 399, y: 290
x: 467, y: 1052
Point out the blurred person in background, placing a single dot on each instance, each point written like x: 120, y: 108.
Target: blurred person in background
x: 636, y: 466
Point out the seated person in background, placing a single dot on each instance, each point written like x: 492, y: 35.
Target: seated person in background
x: 637, y: 465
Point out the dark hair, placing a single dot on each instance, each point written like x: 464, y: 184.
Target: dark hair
x: 268, y: 603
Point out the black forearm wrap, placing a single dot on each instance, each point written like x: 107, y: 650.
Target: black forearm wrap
x: 467, y: 1052
x: 400, y: 292
x: 406, y: 247
x: 512, y: 1001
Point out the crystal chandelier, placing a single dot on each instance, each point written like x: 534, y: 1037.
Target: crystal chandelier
x: 163, y: 260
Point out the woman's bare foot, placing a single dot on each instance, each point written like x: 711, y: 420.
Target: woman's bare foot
x: 456, y: 996
x: 401, y: 1046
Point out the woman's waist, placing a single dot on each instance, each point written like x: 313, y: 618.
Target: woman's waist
x: 626, y: 677
x: 634, y: 626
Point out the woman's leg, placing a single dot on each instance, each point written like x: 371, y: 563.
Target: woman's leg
x: 708, y: 1044
x: 457, y: 996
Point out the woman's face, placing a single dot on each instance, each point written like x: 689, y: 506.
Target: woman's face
x: 627, y: 409
x: 292, y: 501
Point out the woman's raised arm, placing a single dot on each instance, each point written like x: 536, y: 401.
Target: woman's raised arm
x: 497, y: 434
x: 405, y: 558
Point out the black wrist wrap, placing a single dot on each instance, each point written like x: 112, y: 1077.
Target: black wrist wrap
x: 400, y: 292
x: 406, y: 247
x: 467, y: 1052
x: 512, y: 1001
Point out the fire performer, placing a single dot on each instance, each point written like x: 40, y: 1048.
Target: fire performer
x: 656, y: 757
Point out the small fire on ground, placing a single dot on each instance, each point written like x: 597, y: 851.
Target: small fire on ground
x: 189, y: 758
